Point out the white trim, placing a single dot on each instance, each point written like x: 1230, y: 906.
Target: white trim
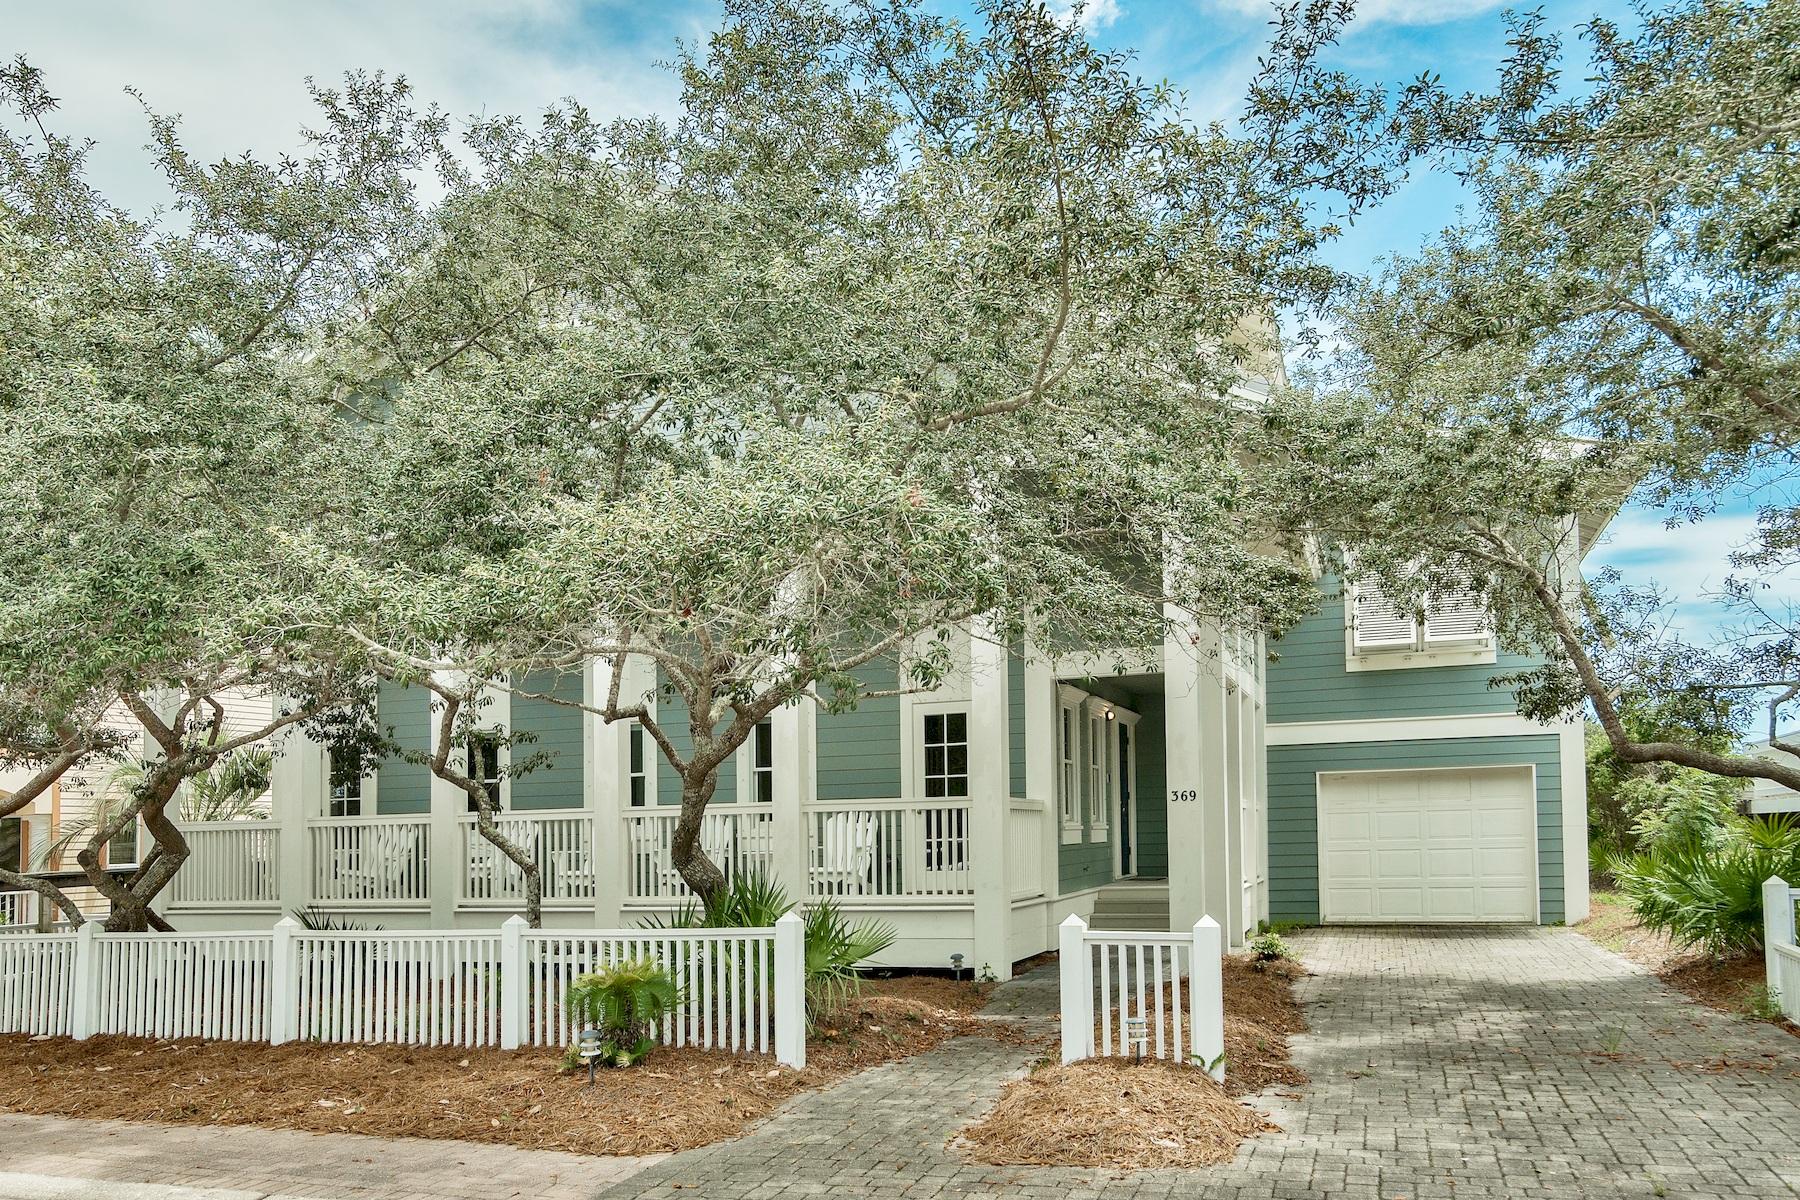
x: 1405, y: 660
x: 913, y: 781
x: 1537, y: 866
x: 1068, y: 761
x: 1098, y: 768
x: 1405, y: 729
x: 1124, y: 718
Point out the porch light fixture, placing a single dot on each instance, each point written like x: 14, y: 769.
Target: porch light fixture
x: 1137, y: 1032
x: 1110, y: 715
x: 588, y: 1044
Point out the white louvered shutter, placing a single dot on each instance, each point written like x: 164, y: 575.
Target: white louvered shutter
x: 1377, y: 623
x: 1456, y: 618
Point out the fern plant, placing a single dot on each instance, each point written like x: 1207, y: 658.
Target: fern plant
x: 624, y: 1001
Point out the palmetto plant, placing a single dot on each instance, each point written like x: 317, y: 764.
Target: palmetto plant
x: 623, y: 1001
x: 1709, y: 895
x: 835, y: 947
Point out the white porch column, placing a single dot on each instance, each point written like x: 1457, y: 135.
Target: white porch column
x: 1572, y: 744
x: 990, y: 807
x: 449, y: 804
x: 1199, y: 878
x: 792, y: 761
x: 1040, y: 780
x: 296, y: 793
x: 603, y: 789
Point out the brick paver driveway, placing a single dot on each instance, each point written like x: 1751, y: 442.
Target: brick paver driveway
x: 1445, y: 1063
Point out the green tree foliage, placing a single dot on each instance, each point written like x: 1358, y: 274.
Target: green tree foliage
x: 154, y: 373
x: 1616, y: 319
x: 901, y: 322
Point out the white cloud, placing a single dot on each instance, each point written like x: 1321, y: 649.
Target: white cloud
x: 1689, y: 563
x: 1095, y: 14
x: 1384, y: 12
x: 236, y: 72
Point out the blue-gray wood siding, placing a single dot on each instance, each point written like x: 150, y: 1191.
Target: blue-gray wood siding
x: 1308, y: 681
x: 858, y: 752
x: 555, y: 730
x: 1294, y: 806
x: 403, y: 787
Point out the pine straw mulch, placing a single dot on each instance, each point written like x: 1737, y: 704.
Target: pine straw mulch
x: 675, y: 1100
x: 1112, y: 1112
x: 1729, y: 984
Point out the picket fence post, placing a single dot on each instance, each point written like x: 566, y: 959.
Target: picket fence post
x: 284, y: 983
x: 84, y: 1008
x: 1206, y: 992
x: 790, y: 990
x: 1778, y: 929
x: 512, y: 982
x: 1077, y: 968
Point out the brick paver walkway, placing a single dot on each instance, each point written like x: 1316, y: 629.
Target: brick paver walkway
x: 247, y: 1162
x: 1446, y: 1064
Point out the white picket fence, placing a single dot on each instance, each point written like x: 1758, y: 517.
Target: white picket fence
x: 741, y: 989
x: 1781, y: 954
x: 1169, y: 985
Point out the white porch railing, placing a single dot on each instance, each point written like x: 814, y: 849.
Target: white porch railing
x: 561, y: 844
x: 738, y: 840
x: 1122, y: 993
x: 1025, y: 847
x: 364, y: 860
x: 229, y: 863
x: 1781, y: 954
x: 889, y: 849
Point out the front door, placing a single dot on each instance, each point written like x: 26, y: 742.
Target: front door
x: 1127, y: 850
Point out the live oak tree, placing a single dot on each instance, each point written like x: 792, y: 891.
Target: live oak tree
x: 1616, y: 320
x: 900, y: 323
x: 158, y: 399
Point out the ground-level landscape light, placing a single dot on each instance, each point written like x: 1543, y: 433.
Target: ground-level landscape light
x: 588, y: 1043
x: 1137, y: 1032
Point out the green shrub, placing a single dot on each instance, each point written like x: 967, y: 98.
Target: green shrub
x: 623, y: 1001
x: 1710, y: 896
x: 1269, y: 946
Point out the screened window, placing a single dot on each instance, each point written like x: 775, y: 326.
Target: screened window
x: 946, y: 755
x: 638, y: 768
x: 762, y: 763
x: 1096, y: 773
x: 345, y: 797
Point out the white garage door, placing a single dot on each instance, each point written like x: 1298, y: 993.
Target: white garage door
x: 1451, y: 845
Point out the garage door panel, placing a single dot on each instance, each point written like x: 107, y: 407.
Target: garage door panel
x: 1440, y: 844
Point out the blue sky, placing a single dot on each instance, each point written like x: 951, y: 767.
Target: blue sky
x: 236, y: 72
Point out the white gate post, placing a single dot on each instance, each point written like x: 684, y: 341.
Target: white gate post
x: 284, y: 983
x: 84, y: 1010
x: 790, y: 990
x: 1206, y: 991
x: 512, y: 982
x: 1778, y: 928
x: 1077, y: 988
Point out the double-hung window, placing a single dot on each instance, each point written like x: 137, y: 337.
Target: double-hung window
x: 484, y: 766
x: 762, y: 763
x: 638, y: 766
x: 946, y: 755
x: 1068, y: 757
x: 344, y: 794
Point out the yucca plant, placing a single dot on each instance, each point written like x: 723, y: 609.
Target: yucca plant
x: 623, y: 1002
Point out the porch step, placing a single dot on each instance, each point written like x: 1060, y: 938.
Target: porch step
x: 1132, y: 906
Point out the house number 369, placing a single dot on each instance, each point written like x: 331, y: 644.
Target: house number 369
x: 1182, y: 795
